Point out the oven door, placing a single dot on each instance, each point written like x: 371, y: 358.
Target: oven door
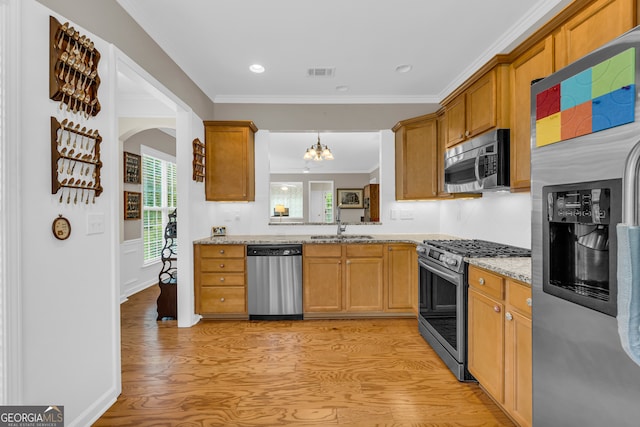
x: 442, y: 308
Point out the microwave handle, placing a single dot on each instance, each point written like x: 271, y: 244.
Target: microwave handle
x: 477, y: 169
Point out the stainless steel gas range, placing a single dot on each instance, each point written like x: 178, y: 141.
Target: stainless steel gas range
x: 442, y: 290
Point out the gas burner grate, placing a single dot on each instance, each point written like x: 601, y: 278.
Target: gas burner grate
x: 475, y: 248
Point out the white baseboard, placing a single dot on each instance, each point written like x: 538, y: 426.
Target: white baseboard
x: 96, y: 410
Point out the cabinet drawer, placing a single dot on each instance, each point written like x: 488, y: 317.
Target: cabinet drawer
x: 222, y: 279
x: 216, y: 299
x: 222, y: 264
x: 519, y: 296
x: 486, y: 282
x: 323, y: 250
x: 363, y: 251
x: 222, y: 251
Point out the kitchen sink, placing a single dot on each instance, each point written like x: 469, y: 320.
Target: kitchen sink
x: 341, y: 237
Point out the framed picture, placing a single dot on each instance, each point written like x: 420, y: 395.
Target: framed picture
x: 350, y: 198
x: 219, y: 230
x: 132, y: 167
x: 132, y: 205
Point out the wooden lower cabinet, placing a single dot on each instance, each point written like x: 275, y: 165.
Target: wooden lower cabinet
x: 402, y: 278
x: 220, y: 281
x: 499, y: 341
x: 356, y: 280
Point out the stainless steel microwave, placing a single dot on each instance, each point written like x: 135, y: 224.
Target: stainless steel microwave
x: 478, y: 165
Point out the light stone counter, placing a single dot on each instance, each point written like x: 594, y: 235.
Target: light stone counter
x: 302, y: 239
x: 514, y: 268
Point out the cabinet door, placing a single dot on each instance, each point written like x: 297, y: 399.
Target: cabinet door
x: 456, y: 121
x: 416, y: 161
x: 481, y: 105
x: 486, y: 341
x: 322, y: 281
x: 403, y: 267
x: 229, y: 168
x: 364, y: 284
x: 596, y: 25
x: 518, y: 383
x: 534, y: 64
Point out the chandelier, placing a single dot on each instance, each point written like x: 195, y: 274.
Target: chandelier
x: 318, y: 152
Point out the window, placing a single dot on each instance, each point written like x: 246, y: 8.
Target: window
x: 159, y: 199
x: 287, y: 195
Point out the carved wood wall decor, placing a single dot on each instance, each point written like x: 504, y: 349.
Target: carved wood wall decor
x: 73, y: 69
x: 132, y: 205
x: 198, y: 160
x: 75, y: 162
x: 132, y: 168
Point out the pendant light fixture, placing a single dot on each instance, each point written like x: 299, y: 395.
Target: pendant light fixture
x: 318, y: 152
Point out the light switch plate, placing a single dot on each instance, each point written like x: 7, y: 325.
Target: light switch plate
x: 95, y: 223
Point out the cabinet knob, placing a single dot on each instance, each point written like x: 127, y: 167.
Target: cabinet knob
x: 529, y: 302
x: 467, y: 133
x: 221, y: 265
x: 222, y: 299
x: 496, y: 308
x: 481, y: 281
x: 508, y: 316
x: 348, y: 262
x: 222, y: 279
x: 221, y: 251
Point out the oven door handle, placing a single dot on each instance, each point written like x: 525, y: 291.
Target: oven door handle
x: 450, y: 276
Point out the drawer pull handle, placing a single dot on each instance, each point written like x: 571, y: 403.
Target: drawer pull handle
x: 222, y: 299
x: 221, y: 265
x: 508, y: 316
x: 529, y: 302
x: 221, y: 251
x: 348, y: 262
x: 222, y: 279
x: 481, y: 281
x: 496, y: 309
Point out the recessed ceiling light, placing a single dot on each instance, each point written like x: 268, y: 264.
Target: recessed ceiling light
x: 257, y: 68
x: 404, y: 68
x: 342, y: 88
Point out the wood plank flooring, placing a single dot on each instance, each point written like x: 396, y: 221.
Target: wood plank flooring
x: 301, y: 373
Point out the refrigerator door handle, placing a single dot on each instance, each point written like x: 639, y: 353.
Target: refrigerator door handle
x: 631, y: 187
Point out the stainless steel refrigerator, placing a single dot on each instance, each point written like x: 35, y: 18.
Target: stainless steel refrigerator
x: 585, y: 121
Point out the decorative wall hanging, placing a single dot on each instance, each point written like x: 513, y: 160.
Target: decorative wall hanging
x: 198, y: 160
x: 132, y: 205
x: 351, y: 198
x: 75, y: 162
x: 73, y: 69
x: 132, y: 164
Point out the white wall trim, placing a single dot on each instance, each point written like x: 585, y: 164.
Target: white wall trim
x: 91, y: 414
x: 11, y: 221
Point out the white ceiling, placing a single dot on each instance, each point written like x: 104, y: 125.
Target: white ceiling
x: 445, y: 41
x: 215, y: 42
x: 354, y: 152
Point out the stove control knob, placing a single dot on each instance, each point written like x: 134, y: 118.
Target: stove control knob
x: 441, y: 257
x: 452, y: 262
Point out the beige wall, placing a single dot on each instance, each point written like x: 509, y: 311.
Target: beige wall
x: 336, y: 117
x: 157, y: 140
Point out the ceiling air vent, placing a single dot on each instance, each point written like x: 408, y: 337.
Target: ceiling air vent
x: 321, y: 72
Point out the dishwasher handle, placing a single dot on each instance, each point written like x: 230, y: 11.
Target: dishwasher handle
x: 274, y: 250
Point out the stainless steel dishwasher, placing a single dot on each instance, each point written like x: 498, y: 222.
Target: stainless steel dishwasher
x: 274, y: 274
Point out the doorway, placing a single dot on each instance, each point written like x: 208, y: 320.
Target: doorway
x: 321, y: 201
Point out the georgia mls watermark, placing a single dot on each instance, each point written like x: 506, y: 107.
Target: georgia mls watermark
x: 32, y: 416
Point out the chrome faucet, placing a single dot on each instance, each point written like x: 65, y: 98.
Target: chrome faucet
x: 341, y: 227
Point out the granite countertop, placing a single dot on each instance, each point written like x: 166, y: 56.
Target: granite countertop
x: 306, y: 238
x: 514, y: 268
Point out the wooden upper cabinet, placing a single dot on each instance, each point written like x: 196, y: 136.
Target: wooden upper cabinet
x: 535, y: 63
x: 416, y: 158
x: 595, y: 25
x: 229, y: 161
x: 481, y: 106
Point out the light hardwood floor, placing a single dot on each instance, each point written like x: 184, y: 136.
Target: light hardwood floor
x: 306, y: 373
